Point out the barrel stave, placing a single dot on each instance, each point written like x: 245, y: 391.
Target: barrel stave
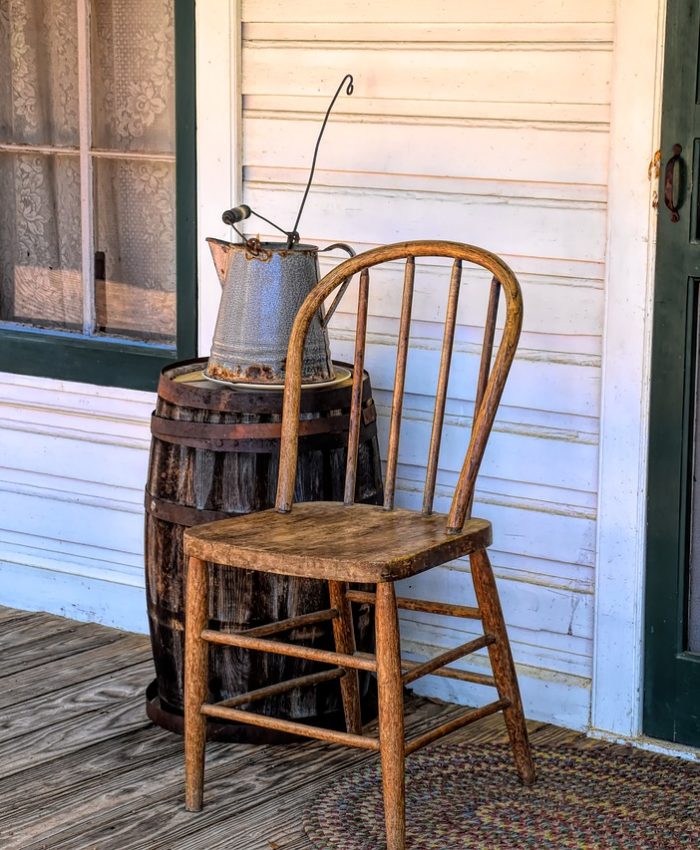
x: 184, y: 480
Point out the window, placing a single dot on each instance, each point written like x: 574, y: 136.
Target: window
x: 97, y: 260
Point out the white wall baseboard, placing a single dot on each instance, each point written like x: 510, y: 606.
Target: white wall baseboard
x: 58, y: 589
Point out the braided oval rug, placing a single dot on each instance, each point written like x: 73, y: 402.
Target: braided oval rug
x: 468, y: 797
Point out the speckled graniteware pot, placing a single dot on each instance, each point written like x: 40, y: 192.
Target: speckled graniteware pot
x: 261, y: 294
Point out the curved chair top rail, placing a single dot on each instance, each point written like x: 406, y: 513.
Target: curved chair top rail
x: 490, y: 383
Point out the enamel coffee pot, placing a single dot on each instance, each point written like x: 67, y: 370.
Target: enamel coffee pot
x: 263, y: 286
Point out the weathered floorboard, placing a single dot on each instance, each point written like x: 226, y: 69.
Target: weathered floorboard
x: 72, y: 703
x: 47, y: 678
x: 62, y: 643
x: 22, y: 630
x: 82, y: 767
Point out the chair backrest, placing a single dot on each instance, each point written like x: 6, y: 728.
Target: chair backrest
x: 490, y: 381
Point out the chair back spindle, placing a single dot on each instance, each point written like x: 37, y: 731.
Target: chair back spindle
x: 486, y: 356
x: 492, y: 374
x: 487, y: 347
x: 356, y: 396
x: 399, y: 383
x: 441, y: 393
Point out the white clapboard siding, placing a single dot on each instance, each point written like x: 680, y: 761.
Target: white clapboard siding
x: 427, y: 32
x: 73, y: 462
x: 77, y: 459
x: 572, y: 160
x: 510, y: 456
x: 109, y: 524
x: 474, y: 111
x: 468, y: 72
x: 479, y: 122
x: 543, y: 228
x: 553, y: 305
x: 536, y: 528
x: 552, y: 650
x: 488, y: 124
x: 73, y: 590
x: 570, y: 383
x: 443, y: 11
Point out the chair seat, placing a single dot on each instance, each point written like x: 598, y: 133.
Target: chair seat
x: 362, y: 543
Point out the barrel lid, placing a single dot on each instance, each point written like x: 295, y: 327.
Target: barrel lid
x: 342, y: 374
x: 183, y: 383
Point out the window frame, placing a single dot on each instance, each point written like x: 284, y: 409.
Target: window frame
x: 104, y: 360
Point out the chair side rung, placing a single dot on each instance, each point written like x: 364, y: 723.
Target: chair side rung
x: 426, y: 667
x: 458, y: 722
x: 454, y: 673
x: 336, y: 659
x: 290, y: 727
x: 291, y: 623
x: 446, y: 672
x: 282, y: 687
x: 426, y: 606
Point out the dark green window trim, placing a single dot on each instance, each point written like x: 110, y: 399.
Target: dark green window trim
x: 120, y: 363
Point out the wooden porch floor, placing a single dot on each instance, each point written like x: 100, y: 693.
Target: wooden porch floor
x: 82, y: 768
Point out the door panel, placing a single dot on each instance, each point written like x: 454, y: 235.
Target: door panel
x: 672, y: 670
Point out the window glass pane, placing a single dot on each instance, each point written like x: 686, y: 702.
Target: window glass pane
x: 39, y: 72
x: 135, y: 241
x: 40, y: 259
x: 133, y: 75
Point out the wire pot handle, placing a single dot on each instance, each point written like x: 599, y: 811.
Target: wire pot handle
x: 343, y: 286
x: 349, y: 90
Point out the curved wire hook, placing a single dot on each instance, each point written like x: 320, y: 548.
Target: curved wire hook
x: 294, y: 234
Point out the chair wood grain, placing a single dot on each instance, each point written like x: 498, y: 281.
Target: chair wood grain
x: 441, y: 392
x: 355, y: 543
x: 496, y: 380
x: 356, y: 397
x: 399, y: 383
x: 352, y: 543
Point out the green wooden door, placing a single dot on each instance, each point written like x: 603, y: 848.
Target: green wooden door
x: 672, y: 645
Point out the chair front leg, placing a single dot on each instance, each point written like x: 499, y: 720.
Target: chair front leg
x: 196, y: 676
x: 391, y: 718
x: 344, y: 635
x: 502, y: 663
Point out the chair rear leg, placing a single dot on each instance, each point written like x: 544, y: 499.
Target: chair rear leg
x: 502, y: 663
x: 196, y: 677
x: 391, y: 718
x: 344, y: 635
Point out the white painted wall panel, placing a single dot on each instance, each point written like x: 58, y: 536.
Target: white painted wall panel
x: 522, y: 226
x: 397, y: 69
x: 481, y: 122
x: 73, y: 462
x: 573, y: 160
x: 442, y: 11
x: 484, y: 123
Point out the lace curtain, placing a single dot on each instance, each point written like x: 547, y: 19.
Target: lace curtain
x: 40, y: 209
x: 133, y: 194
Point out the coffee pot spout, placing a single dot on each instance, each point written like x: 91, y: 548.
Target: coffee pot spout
x: 222, y: 252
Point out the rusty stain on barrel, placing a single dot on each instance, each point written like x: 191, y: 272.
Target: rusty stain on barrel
x: 215, y: 454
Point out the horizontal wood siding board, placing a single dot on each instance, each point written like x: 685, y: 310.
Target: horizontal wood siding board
x: 509, y: 153
x: 571, y: 386
x: 460, y: 73
x: 452, y: 11
x: 461, y: 186
x: 531, y: 227
x: 583, y: 116
x: 557, y: 306
x: 401, y: 32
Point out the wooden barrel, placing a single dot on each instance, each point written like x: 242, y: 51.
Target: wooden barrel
x: 215, y: 454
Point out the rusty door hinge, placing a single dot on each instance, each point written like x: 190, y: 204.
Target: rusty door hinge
x: 654, y: 172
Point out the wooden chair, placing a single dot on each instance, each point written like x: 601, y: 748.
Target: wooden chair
x: 350, y: 543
